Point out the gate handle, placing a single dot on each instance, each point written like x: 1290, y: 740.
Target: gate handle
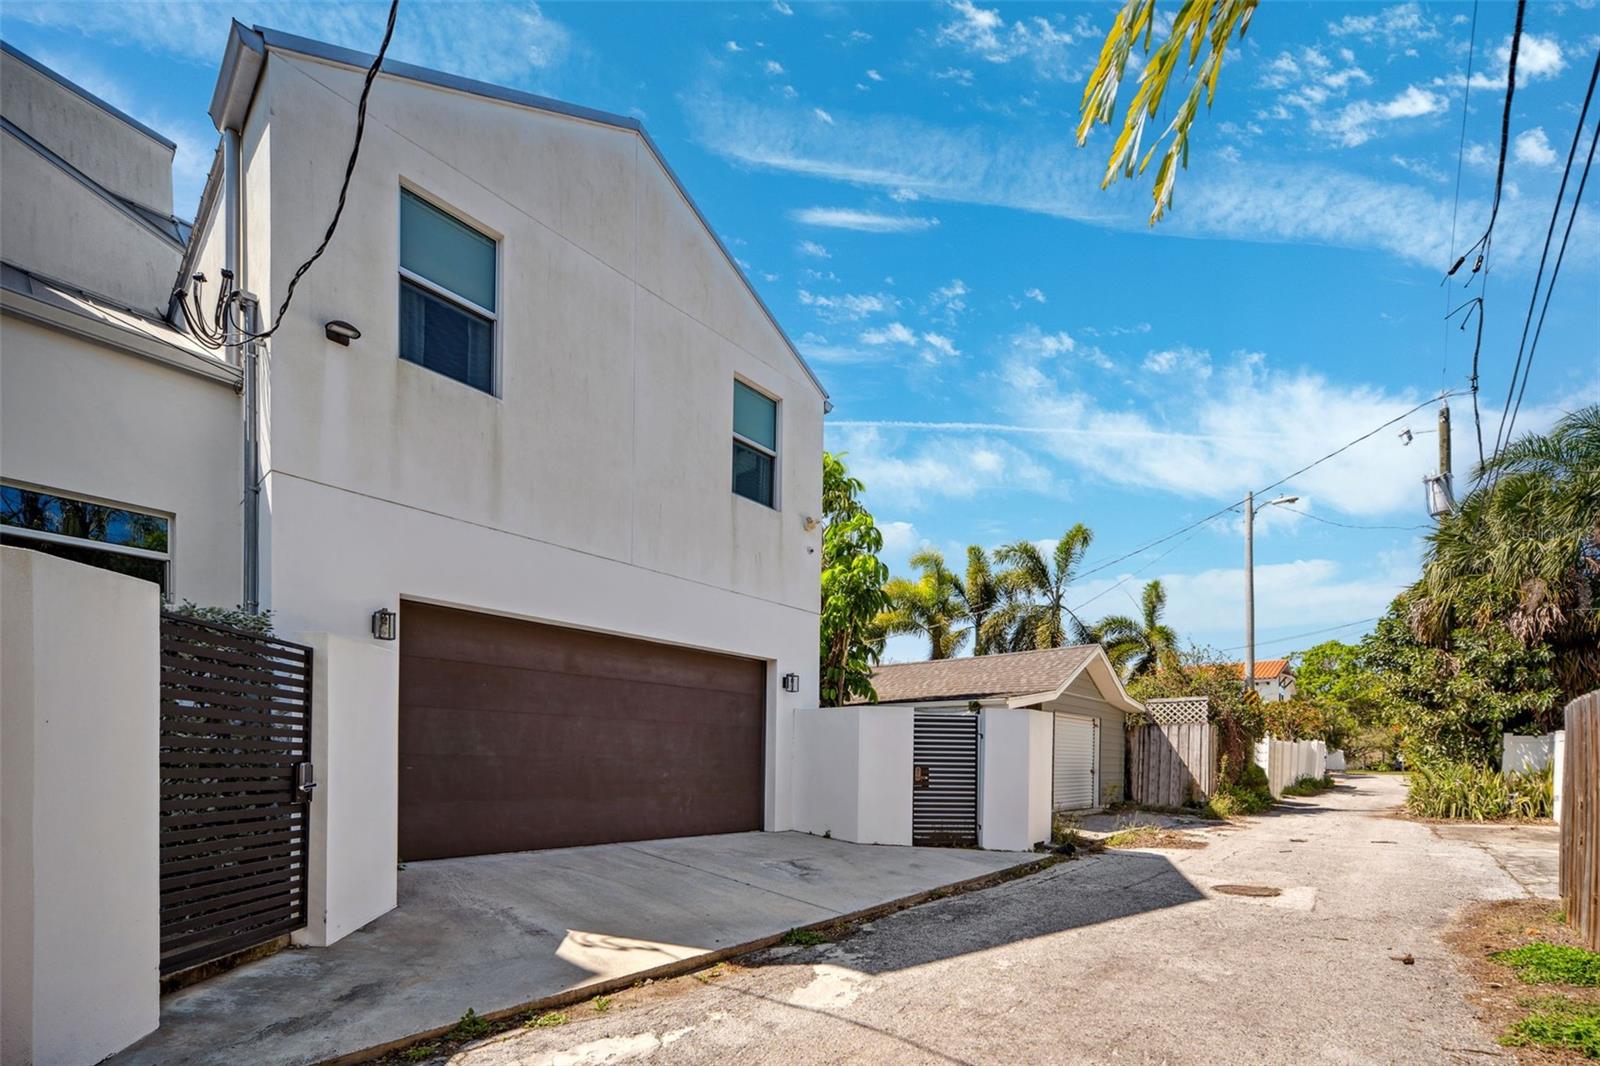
x: 304, y: 778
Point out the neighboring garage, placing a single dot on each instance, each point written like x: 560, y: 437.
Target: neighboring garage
x: 516, y: 736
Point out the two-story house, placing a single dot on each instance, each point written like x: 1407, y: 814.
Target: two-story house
x: 526, y: 459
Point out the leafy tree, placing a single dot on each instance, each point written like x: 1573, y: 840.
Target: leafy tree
x: 981, y: 595
x: 932, y: 605
x: 1453, y: 703
x: 1200, y: 25
x: 852, y: 588
x: 1335, y: 677
x: 1036, y: 612
x: 1522, y: 554
x: 1137, y: 646
x: 1237, y: 714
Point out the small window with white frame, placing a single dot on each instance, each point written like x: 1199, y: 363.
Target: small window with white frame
x: 121, y: 539
x: 447, y: 293
x: 755, y: 445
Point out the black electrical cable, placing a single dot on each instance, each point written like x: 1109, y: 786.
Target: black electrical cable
x: 1455, y: 208
x: 344, y: 187
x: 1505, y: 141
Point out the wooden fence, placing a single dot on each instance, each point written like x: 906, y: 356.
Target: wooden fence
x: 1580, y: 819
x: 1172, y: 764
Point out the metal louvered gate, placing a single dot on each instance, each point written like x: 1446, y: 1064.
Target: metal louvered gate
x: 944, y: 779
x: 235, y: 787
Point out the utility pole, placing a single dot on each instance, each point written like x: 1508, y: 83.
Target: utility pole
x: 1444, y: 441
x: 1249, y: 592
x: 1441, y: 493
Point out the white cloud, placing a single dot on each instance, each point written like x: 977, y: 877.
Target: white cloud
x: 874, y: 75
x: 1420, y: 167
x: 850, y: 306
x: 782, y: 8
x: 732, y: 46
x: 893, y: 333
x: 959, y: 75
x: 940, y: 345
x: 819, y: 349
x: 862, y: 221
x: 812, y: 248
x: 1033, y: 344
x: 983, y: 33
x: 1537, y: 57
x: 1533, y: 147
x: 822, y: 116
x: 1398, y: 27
x: 949, y: 300
x: 772, y: 66
x: 1183, y: 359
x: 1357, y: 122
x: 502, y: 41
x: 1034, y: 294
x: 913, y: 473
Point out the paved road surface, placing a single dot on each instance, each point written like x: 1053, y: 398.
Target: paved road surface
x: 1130, y: 957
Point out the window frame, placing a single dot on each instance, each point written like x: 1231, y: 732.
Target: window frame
x: 774, y: 453
x: 448, y: 295
x: 168, y: 587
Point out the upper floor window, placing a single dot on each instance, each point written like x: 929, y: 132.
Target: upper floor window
x: 112, y: 538
x: 755, y: 443
x: 447, y: 294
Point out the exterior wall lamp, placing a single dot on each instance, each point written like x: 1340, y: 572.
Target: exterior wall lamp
x: 385, y: 624
x: 791, y: 682
x: 341, y: 332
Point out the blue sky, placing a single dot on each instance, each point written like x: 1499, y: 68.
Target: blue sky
x: 1010, y: 349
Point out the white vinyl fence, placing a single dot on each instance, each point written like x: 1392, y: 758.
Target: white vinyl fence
x: 1287, y: 761
x: 1522, y: 755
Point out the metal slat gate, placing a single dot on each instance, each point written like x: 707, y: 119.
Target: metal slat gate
x: 944, y: 783
x: 235, y: 785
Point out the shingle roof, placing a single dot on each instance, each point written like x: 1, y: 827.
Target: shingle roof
x: 981, y: 676
x: 1266, y: 669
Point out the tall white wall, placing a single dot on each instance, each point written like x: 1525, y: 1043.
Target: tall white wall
x: 852, y: 773
x: 79, y: 789
x: 1014, y: 778
x: 354, y: 747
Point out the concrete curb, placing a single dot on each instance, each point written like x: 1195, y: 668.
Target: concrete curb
x: 709, y: 959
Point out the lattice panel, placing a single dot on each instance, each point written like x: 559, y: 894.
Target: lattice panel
x: 1178, y: 711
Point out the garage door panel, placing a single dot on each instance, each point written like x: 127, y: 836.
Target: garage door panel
x: 614, y: 739
x: 479, y: 639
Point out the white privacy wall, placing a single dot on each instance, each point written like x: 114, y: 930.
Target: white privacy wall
x: 1014, y: 778
x: 354, y: 747
x: 1287, y: 761
x: 79, y: 947
x: 852, y: 773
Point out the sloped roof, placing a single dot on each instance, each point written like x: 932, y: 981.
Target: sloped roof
x: 982, y: 676
x: 246, y: 51
x: 1266, y: 669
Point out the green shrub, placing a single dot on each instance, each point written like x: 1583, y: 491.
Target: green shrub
x: 1477, y: 793
x: 1309, y: 786
x: 1248, y: 793
x: 1552, y: 964
x: 1559, y: 1022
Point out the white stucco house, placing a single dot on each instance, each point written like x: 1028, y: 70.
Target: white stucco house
x: 1274, y: 679
x: 527, y: 464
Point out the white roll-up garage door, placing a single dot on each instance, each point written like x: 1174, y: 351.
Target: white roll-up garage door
x: 1077, y: 762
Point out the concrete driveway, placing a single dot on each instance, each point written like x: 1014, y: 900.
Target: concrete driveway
x: 499, y: 931
x: 1133, y: 957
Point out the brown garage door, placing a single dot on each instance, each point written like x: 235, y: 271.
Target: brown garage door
x: 516, y: 736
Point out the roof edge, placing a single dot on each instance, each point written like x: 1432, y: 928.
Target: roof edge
x: 231, y: 99
x: 67, y: 83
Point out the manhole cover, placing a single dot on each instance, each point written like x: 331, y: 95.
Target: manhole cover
x: 1248, y: 890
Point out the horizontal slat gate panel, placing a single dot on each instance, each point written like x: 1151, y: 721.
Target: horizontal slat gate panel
x: 945, y: 812
x: 235, y: 724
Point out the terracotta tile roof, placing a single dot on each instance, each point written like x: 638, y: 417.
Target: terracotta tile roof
x: 981, y: 676
x: 1266, y: 669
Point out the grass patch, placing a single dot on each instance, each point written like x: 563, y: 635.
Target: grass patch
x: 1309, y: 786
x: 548, y: 1020
x: 1152, y: 836
x: 419, y: 1052
x: 602, y: 1004
x: 1540, y: 963
x: 470, y: 1027
x: 1558, y: 1022
x: 802, y: 938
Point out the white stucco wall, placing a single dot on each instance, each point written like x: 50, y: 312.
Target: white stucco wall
x: 1014, y: 778
x: 78, y: 810
x: 852, y: 773
x: 86, y: 420
x: 354, y: 747
x: 594, y: 488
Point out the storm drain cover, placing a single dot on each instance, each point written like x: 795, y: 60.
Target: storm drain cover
x: 1248, y: 890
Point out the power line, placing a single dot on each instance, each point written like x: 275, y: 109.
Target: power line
x: 1508, y: 414
x: 1455, y: 209
x: 1347, y: 525
x: 1310, y: 633
x: 1482, y: 244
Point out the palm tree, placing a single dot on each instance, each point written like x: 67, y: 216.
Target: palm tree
x: 981, y: 596
x: 1523, y: 552
x: 931, y: 605
x: 1136, y: 646
x: 1036, y: 587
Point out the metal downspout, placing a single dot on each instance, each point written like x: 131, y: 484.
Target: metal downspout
x: 242, y: 353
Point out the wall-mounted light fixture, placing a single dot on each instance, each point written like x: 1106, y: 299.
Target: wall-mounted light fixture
x: 791, y: 682
x: 809, y: 523
x: 385, y: 624
x: 340, y: 332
